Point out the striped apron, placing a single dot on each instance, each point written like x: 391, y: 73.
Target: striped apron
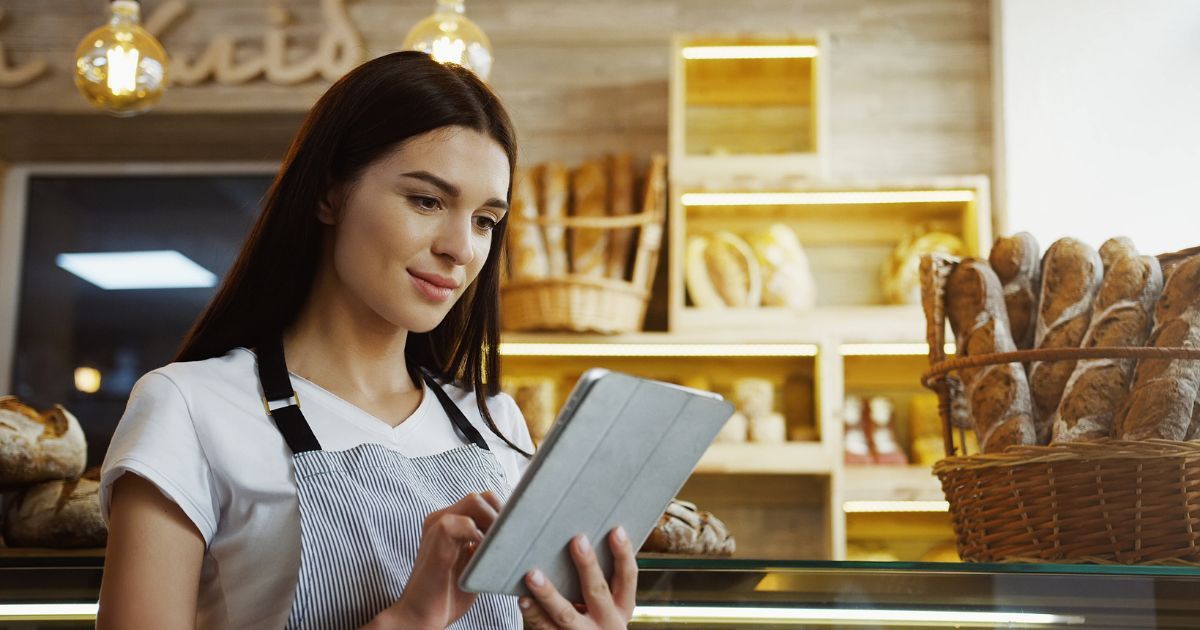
x: 362, y: 511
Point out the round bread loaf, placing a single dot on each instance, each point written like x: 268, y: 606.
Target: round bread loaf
x: 58, y: 514
x: 37, y: 446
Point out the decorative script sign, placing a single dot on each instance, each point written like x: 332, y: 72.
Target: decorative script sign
x: 230, y: 60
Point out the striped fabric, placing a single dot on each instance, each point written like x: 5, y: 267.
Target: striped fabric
x: 361, y: 512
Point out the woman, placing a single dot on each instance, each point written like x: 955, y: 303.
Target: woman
x: 329, y: 445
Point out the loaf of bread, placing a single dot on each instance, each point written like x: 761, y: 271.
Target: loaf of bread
x: 39, y: 446
x: 589, y: 246
x: 998, y: 395
x: 59, y: 514
x: 1017, y: 262
x: 1122, y: 316
x: 620, y: 173
x: 683, y: 529
x: 1162, y: 401
x: 553, y: 198
x: 1071, y: 274
x: 527, y: 251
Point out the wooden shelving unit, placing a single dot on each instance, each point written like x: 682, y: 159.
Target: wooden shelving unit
x: 749, y: 149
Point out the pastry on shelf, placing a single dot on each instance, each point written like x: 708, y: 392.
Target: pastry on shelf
x: 39, y: 446
x: 721, y: 271
x: 755, y: 399
x: 857, y: 450
x: 902, y: 270
x: 787, y: 277
x: 682, y: 529
x: 63, y: 514
x: 883, y: 437
x: 535, y: 397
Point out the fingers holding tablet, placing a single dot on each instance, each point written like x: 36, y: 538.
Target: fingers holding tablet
x: 605, y: 606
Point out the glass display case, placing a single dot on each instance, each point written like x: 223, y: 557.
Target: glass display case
x: 60, y: 591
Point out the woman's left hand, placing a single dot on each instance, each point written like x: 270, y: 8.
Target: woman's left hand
x: 604, y: 607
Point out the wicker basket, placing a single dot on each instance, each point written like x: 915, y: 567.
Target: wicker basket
x: 579, y: 303
x: 1110, y: 501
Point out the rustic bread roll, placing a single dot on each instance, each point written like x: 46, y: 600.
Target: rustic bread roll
x: 59, y: 514
x: 1017, y: 262
x: 1194, y: 430
x: 998, y: 395
x: 620, y: 170
x: 39, y: 446
x: 589, y: 246
x: 553, y: 198
x: 1162, y: 401
x: 527, y: 251
x: 685, y: 530
x: 1071, y: 273
x: 676, y: 531
x: 1123, y: 315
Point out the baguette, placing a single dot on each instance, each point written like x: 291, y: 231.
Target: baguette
x: 589, y: 246
x: 1123, y: 315
x: 554, y: 193
x: 1017, y: 263
x: 1071, y: 273
x: 527, y: 252
x: 620, y: 204
x: 998, y: 395
x: 1162, y: 401
x: 1115, y: 249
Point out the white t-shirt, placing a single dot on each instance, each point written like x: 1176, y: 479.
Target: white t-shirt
x: 198, y: 431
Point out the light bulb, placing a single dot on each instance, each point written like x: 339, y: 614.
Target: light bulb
x: 449, y: 37
x: 120, y: 67
x: 87, y: 380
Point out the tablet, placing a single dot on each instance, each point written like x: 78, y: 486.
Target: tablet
x: 619, y: 451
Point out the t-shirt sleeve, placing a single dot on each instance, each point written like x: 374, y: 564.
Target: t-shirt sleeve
x: 156, y: 439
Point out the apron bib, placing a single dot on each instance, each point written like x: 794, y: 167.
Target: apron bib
x: 362, y: 510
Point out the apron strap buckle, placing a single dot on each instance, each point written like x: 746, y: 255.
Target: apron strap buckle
x: 271, y: 412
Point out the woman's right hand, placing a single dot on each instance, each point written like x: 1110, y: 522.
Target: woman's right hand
x: 449, y: 538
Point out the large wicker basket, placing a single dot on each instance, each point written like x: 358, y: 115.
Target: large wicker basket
x: 1111, y: 501
x: 580, y: 303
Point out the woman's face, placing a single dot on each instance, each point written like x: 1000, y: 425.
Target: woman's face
x: 416, y: 226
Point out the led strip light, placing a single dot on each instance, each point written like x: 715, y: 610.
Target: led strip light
x: 521, y: 349
x: 889, y: 349
x: 48, y: 612
x: 750, y: 52
x: 954, y: 618
x: 646, y: 614
x: 826, y: 198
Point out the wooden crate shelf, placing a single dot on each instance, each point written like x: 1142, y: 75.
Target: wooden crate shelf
x: 848, y: 231
x: 750, y: 105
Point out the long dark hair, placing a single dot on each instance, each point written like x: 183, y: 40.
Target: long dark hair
x: 367, y: 112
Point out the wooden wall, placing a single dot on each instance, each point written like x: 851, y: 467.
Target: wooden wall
x: 910, y: 84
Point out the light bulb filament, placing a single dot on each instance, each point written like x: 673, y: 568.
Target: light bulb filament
x: 446, y: 50
x: 122, y: 70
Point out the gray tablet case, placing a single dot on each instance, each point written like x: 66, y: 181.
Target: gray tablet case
x: 620, y: 450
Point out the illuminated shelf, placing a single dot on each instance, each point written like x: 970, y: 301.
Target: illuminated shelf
x: 849, y: 324
x: 787, y: 458
x: 877, y: 484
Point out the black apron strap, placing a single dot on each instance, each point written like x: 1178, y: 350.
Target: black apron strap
x: 273, y: 374
x: 456, y: 415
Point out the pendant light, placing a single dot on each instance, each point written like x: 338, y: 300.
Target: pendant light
x: 120, y: 67
x: 449, y: 37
